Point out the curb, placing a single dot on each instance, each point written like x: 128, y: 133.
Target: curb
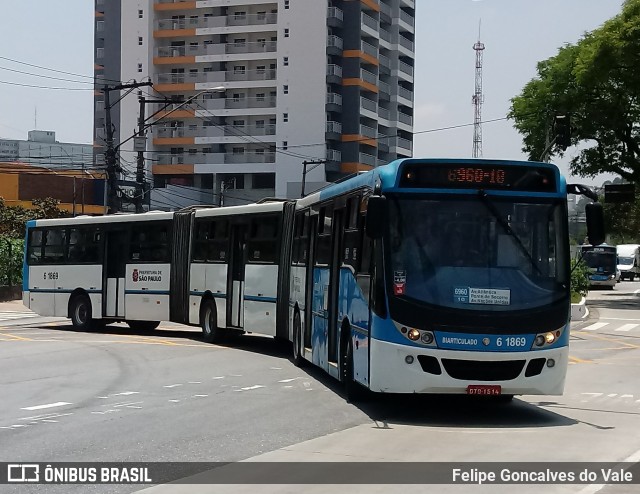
x: 579, y: 311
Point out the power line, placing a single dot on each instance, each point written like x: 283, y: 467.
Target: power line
x: 45, y: 76
x: 47, y: 87
x: 98, y: 79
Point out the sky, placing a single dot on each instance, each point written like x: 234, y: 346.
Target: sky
x: 516, y: 34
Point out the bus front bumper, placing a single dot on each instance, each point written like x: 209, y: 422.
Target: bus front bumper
x: 403, y: 369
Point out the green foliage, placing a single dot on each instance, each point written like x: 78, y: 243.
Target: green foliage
x: 11, y: 252
x: 13, y: 219
x: 597, y: 83
x: 579, y: 277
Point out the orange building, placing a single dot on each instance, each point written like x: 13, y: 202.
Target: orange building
x: 79, y: 192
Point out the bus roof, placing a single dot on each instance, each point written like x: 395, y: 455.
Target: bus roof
x: 266, y: 207
x: 388, y: 175
x: 101, y: 220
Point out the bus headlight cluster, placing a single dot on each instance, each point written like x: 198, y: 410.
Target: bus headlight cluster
x: 546, y: 339
x: 424, y: 337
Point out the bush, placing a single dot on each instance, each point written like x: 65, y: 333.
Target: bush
x: 579, y: 277
x: 11, y: 252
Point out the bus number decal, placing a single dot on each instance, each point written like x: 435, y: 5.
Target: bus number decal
x: 512, y: 341
x: 51, y: 275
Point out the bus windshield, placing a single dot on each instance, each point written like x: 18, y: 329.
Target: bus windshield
x: 601, y: 260
x: 484, y: 254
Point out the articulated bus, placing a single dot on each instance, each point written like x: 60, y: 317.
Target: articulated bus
x: 421, y: 276
x: 218, y: 268
x: 602, y: 261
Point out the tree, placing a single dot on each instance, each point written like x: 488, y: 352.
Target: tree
x: 13, y: 219
x: 597, y: 84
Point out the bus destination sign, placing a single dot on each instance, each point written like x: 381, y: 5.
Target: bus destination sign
x: 455, y: 175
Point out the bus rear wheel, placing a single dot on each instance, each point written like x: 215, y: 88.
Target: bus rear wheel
x: 209, y: 322
x: 143, y: 325
x: 80, y: 312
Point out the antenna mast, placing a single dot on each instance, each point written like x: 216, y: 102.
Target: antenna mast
x: 477, y: 99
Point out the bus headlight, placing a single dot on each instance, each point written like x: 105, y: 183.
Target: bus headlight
x: 413, y: 334
x: 427, y: 338
x: 545, y: 339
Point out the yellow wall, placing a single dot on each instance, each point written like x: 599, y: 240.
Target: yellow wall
x: 9, y: 186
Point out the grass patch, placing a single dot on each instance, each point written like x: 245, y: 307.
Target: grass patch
x: 575, y: 297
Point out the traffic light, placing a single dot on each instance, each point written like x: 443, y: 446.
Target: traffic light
x: 562, y: 130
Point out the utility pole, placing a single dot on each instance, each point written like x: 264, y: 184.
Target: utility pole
x: 140, y: 188
x: 306, y: 163
x: 225, y: 186
x: 113, y: 168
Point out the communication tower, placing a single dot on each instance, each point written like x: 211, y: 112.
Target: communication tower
x: 477, y: 99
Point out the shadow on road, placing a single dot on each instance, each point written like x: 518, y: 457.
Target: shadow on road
x: 385, y: 410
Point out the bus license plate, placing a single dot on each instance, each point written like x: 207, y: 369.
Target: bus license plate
x: 484, y: 389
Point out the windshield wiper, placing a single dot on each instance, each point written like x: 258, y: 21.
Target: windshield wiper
x: 507, y: 228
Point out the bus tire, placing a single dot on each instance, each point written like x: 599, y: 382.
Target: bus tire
x: 632, y: 277
x: 298, y: 359
x: 80, y: 312
x: 143, y: 325
x: 209, y: 321
x: 353, y: 390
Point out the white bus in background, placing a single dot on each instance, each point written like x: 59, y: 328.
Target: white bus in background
x: 215, y: 267
x: 629, y: 261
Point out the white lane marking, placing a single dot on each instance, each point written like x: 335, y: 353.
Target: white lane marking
x: 172, y: 385
x: 45, y: 416
x: 287, y: 387
x: 595, y: 326
x: 626, y: 327
x: 275, y: 368
x: 174, y: 401
x: 593, y: 488
x: 195, y: 382
x: 235, y: 375
x: 48, y: 405
x: 289, y: 380
x: 617, y: 319
x: 249, y: 388
x: 199, y: 396
x: 126, y: 393
x: 218, y: 377
x: 612, y: 395
x: 626, y: 396
x: 591, y: 395
x: 132, y: 404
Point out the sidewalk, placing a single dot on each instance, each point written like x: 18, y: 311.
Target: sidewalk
x: 13, y: 305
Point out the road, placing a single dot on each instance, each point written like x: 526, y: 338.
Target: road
x: 166, y: 396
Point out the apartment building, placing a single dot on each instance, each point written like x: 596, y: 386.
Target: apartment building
x: 260, y: 86
x: 42, y: 148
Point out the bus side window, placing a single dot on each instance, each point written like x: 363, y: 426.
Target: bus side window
x: 218, y: 241
x: 35, y: 246
x: 201, y: 241
x: 263, y: 245
x: 54, y: 246
x: 351, y: 249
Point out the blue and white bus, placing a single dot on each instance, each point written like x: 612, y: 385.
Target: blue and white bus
x: 421, y: 276
x: 437, y: 276
x: 602, y: 261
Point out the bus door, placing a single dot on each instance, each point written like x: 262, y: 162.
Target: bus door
x: 334, y: 285
x: 235, y: 287
x: 117, y: 249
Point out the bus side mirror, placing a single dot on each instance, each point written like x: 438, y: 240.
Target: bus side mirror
x: 376, y: 217
x: 595, y: 223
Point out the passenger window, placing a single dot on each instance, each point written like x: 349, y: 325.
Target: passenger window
x: 54, y: 246
x: 263, y: 241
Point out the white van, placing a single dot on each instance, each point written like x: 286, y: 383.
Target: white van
x: 629, y: 261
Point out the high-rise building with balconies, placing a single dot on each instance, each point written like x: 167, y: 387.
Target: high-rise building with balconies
x: 261, y: 86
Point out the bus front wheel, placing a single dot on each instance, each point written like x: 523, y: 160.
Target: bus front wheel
x: 209, y: 322
x: 353, y: 390
x: 80, y: 312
